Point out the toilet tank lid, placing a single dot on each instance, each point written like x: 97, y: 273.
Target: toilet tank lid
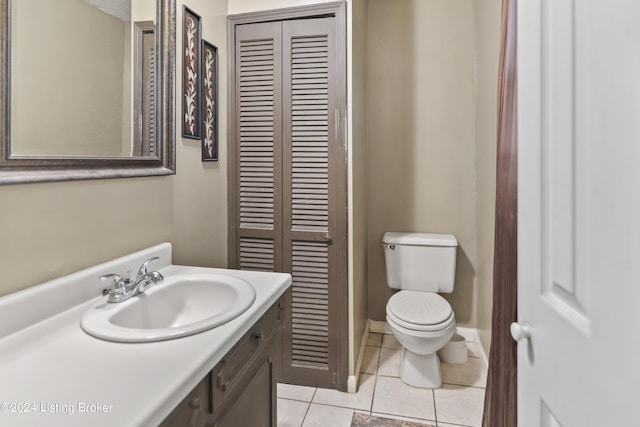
x: 419, y: 239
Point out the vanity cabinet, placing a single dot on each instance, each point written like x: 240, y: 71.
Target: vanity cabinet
x: 194, y: 409
x: 254, y: 403
x: 241, y: 388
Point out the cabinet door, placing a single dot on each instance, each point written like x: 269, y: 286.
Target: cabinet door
x: 193, y: 410
x: 256, y: 404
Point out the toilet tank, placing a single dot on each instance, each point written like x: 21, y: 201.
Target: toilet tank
x: 420, y: 261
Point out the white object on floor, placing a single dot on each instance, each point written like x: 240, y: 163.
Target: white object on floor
x: 455, y: 351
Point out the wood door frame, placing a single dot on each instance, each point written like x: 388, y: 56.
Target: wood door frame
x: 338, y: 10
x: 501, y: 397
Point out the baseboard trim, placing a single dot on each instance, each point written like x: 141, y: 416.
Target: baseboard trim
x: 483, y: 356
x: 379, y: 327
x: 352, y: 383
x: 353, y: 380
x: 469, y: 334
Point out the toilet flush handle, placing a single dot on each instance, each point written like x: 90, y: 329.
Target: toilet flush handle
x: 387, y: 245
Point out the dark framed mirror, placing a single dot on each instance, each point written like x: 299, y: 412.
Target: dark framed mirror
x: 88, y: 89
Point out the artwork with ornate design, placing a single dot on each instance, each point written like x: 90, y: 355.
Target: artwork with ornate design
x: 191, y: 123
x: 210, y: 97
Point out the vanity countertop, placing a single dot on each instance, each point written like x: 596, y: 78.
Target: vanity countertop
x: 52, y: 373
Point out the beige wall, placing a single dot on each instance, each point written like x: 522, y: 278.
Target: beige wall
x: 421, y: 147
x: 487, y: 18
x: 51, y: 229
x: 357, y: 160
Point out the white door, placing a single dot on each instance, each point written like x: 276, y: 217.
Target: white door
x: 579, y: 212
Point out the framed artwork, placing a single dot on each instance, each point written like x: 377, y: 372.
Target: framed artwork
x: 191, y: 85
x: 210, y: 102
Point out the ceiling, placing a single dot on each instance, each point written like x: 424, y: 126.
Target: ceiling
x: 121, y: 9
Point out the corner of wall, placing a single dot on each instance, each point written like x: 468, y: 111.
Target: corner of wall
x: 487, y: 29
x: 356, y: 104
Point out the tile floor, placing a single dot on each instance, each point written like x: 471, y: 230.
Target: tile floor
x: 458, y: 402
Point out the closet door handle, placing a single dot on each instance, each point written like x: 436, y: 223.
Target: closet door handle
x: 327, y: 238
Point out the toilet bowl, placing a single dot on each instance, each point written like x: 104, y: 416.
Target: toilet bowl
x: 423, y: 323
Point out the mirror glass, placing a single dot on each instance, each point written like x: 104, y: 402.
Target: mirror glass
x: 82, y: 78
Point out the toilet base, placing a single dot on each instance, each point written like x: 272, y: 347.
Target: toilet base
x: 421, y: 371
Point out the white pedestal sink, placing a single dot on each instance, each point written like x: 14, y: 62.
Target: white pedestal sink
x: 178, y: 306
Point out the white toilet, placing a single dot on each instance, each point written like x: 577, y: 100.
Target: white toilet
x: 420, y: 265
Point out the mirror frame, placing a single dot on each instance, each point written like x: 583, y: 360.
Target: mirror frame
x: 28, y: 169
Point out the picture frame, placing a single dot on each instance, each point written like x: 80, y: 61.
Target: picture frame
x: 209, y: 102
x: 191, y: 74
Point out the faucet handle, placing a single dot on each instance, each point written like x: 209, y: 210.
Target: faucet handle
x: 143, y: 268
x: 117, y: 280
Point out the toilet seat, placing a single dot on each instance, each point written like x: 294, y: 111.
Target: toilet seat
x: 420, y: 311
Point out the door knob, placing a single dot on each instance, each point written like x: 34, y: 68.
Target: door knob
x: 520, y: 332
x: 327, y: 237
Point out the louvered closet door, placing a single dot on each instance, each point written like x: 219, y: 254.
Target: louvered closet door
x: 258, y: 130
x: 289, y: 189
x: 312, y: 176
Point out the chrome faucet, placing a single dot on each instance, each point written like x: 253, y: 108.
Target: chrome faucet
x: 123, y: 289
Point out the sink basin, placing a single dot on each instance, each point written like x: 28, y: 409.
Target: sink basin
x: 176, y: 307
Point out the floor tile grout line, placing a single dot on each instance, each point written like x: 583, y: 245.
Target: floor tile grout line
x: 338, y: 406
x: 294, y: 400
x: 454, y: 424
x: 435, y: 406
x: 303, y: 400
x: 464, y: 385
x: 373, y: 395
x: 305, y: 413
x: 444, y: 382
x: 400, y: 417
